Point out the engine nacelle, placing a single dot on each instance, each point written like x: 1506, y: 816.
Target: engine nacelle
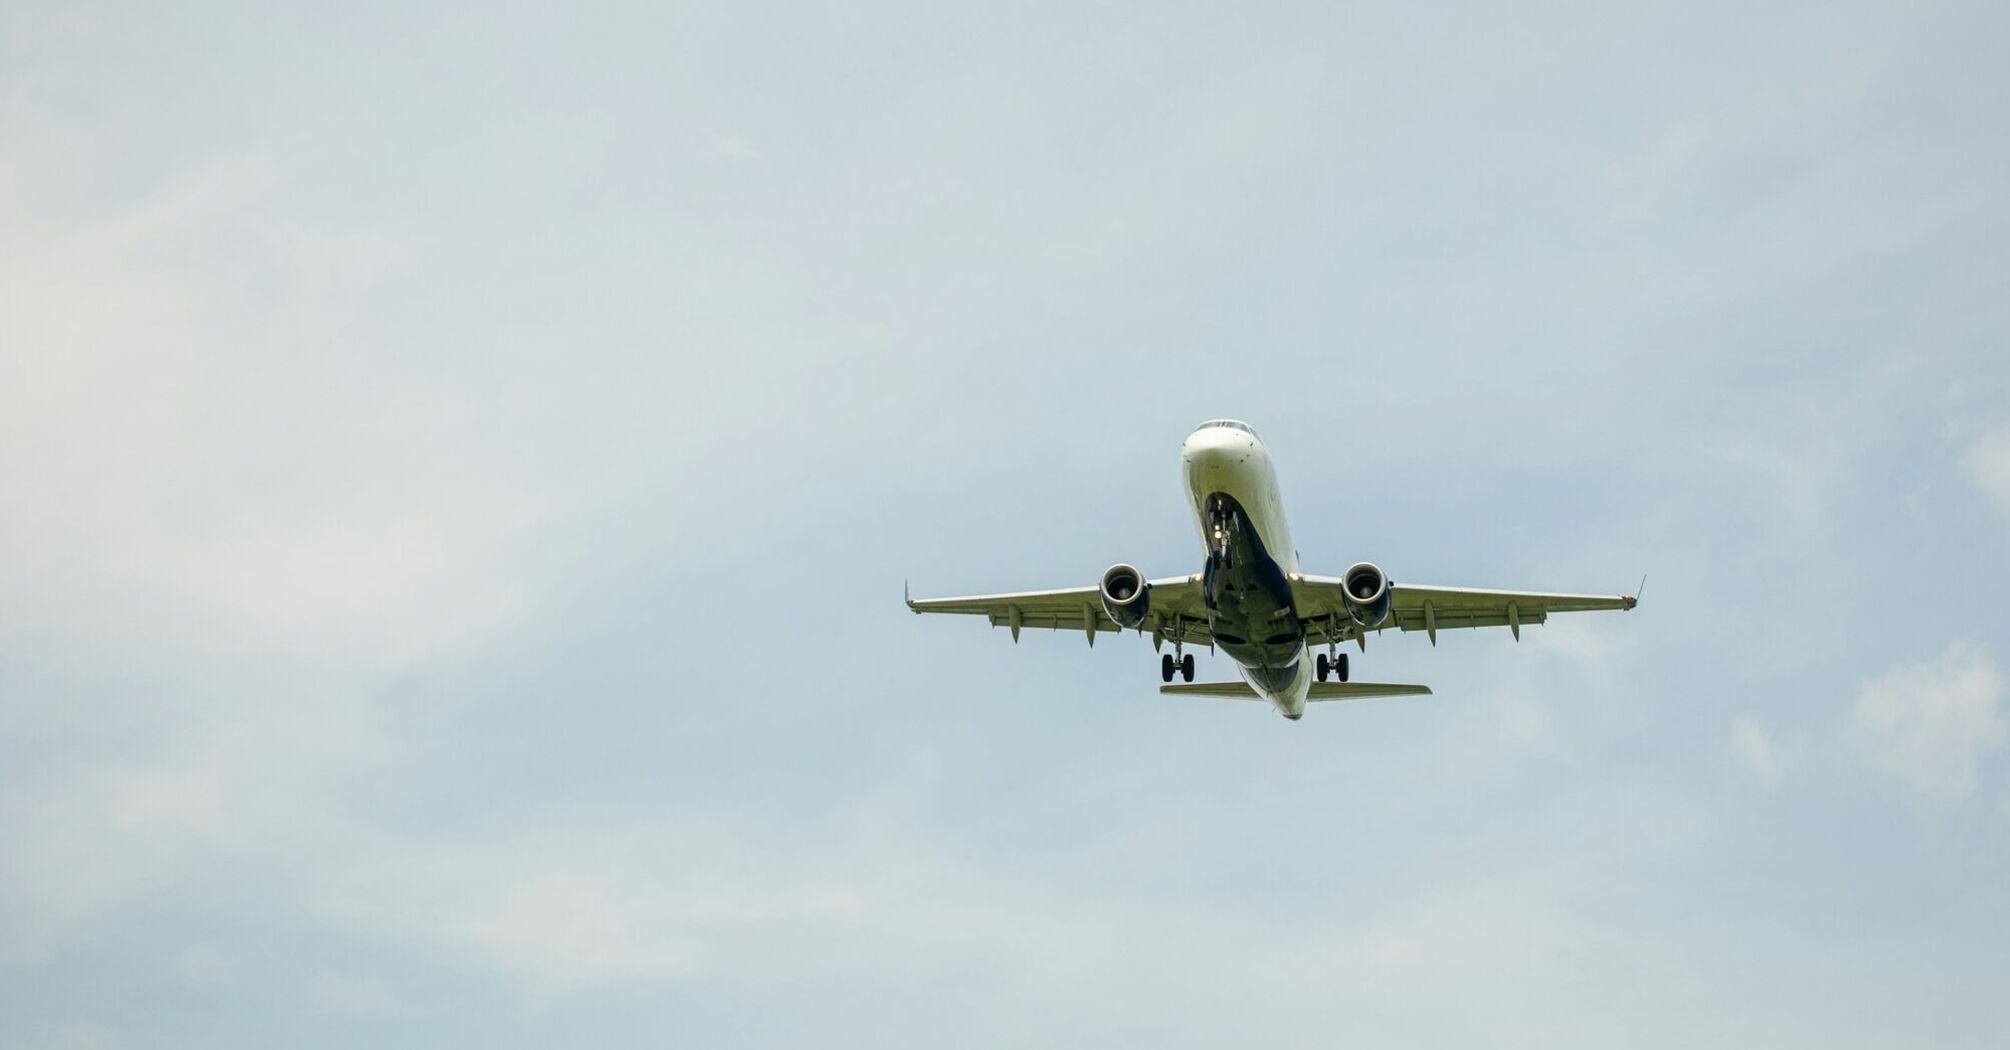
x: 1126, y: 595
x: 1366, y: 590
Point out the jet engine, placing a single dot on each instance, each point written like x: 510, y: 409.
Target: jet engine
x: 1126, y: 595
x: 1365, y: 588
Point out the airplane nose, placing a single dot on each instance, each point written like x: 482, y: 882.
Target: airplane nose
x: 1216, y: 448
x: 1208, y: 459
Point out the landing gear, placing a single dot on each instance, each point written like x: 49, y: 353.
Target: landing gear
x: 1168, y: 665
x: 1334, y: 665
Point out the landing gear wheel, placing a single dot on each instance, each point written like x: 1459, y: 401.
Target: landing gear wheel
x: 1166, y: 668
x: 1340, y: 666
x: 1321, y: 667
x: 1186, y: 667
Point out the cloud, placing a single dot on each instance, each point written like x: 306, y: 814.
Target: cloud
x: 1753, y: 747
x: 565, y: 910
x: 1526, y: 726
x: 1931, y: 724
x: 233, y: 523
x: 341, y: 994
x: 82, y: 1035
x: 1646, y: 181
x: 1800, y: 480
x: 345, y: 479
x: 1988, y: 465
x: 205, y: 965
x: 215, y: 559
x: 738, y: 149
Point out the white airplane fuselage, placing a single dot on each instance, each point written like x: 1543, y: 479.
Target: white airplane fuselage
x: 1232, y: 487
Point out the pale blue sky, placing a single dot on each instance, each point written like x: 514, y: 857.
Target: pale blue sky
x: 460, y: 469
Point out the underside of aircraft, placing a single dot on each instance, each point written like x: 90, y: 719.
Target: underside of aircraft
x: 1250, y: 600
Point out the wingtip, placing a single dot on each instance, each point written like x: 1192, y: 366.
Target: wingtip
x: 907, y: 598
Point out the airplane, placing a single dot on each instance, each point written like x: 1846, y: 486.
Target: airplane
x: 1252, y: 602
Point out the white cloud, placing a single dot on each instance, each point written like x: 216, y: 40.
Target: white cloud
x: 738, y: 149
x: 1988, y: 464
x: 1646, y: 181
x: 82, y: 1035
x: 231, y: 525
x: 1800, y: 480
x: 1754, y: 749
x: 1931, y: 724
x: 216, y: 557
x: 1526, y: 726
x: 1601, y: 644
x: 566, y: 910
x: 205, y: 965
x: 342, y: 994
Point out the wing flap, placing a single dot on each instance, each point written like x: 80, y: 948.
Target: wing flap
x: 1219, y: 690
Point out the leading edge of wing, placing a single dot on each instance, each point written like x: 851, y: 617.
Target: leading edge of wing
x: 1406, y: 594
x: 978, y: 603
x: 1174, y: 587
x: 1565, y: 602
x: 1319, y: 690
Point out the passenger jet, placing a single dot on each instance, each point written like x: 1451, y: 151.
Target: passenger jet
x: 1250, y: 599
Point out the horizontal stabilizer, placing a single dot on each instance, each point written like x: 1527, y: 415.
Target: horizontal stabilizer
x: 1225, y: 690
x: 1320, y: 690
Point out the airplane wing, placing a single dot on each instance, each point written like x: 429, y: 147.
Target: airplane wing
x: 1176, y: 608
x: 1415, y: 608
x: 1319, y: 690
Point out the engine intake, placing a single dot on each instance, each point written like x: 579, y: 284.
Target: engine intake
x: 1126, y: 595
x: 1365, y: 588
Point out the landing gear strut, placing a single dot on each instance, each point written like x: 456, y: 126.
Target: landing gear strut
x: 1334, y: 665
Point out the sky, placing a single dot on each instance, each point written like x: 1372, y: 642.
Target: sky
x: 459, y: 465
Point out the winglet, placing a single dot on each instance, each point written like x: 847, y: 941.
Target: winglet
x: 1634, y: 598
x: 908, y: 598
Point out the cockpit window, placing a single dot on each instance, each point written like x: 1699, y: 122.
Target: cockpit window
x: 1229, y: 423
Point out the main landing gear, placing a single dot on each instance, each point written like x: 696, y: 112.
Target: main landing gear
x: 1334, y: 665
x: 1167, y: 665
